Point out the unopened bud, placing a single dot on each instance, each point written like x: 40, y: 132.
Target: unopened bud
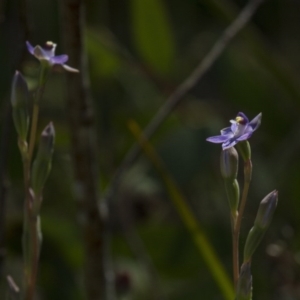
x: 233, y: 194
x: 266, y: 210
x: 244, y: 149
x: 229, y: 163
x: 244, y: 285
x: 19, y: 102
x: 42, y: 164
x: 254, y: 238
x: 263, y: 218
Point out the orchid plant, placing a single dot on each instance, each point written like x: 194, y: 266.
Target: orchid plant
x: 237, y: 135
x: 234, y: 140
x: 35, y: 169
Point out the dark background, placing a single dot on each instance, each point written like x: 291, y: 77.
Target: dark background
x: 139, y: 51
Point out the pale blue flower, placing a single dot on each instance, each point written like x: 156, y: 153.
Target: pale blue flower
x: 240, y: 130
x: 47, y: 55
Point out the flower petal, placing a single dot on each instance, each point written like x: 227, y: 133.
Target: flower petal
x: 245, y: 136
x: 218, y: 139
x: 230, y: 143
x: 254, y: 124
x: 30, y: 48
x: 70, y: 69
x: 59, y: 59
x: 39, y: 53
x: 226, y: 131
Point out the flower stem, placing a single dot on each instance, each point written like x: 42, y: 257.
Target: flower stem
x: 34, y: 256
x: 33, y: 129
x: 30, y: 238
x: 44, y: 71
x: 31, y: 243
x: 238, y: 221
x: 235, y: 252
x: 26, y: 227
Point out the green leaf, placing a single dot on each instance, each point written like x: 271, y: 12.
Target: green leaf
x: 152, y: 34
x: 189, y: 220
x: 103, y: 61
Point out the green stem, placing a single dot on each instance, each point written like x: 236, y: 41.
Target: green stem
x: 34, y: 255
x: 33, y: 130
x: 31, y: 245
x: 237, y: 227
x: 235, y: 252
x: 26, y: 230
x: 35, y: 113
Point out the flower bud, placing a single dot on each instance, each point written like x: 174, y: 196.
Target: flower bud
x: 233, y: 194
x: 244, y: 149
x: 229, y: 163
x: 254, y: 238
x: 42, y: 164
x: 266, y: 210
x: 244, y: 285
x: 261, y: 224
x: 19, y: 102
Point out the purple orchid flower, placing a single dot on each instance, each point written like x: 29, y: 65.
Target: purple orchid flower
x: 240, y: 130
x: 47, y: 55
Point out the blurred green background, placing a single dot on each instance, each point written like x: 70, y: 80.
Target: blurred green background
x: 139, y: 51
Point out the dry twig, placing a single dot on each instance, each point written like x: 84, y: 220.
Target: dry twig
x: 84, y: 153
x: 178, y: 95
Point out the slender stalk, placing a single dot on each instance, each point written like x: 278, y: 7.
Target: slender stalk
x: 235, y: 257
x: 247, y: 180
x: 29, y: 237
x: 35, y: 114
x: 31, y: 247
x: 44, y: 72
x: 34, y: 256
x: 237, y: 225
x: 235, y: 253
x: 29, y: 231
x: 30, y: 221
x: 26, y: 233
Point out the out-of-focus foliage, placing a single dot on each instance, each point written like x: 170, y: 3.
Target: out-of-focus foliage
x: 139, y: 52
x: 152, y: 34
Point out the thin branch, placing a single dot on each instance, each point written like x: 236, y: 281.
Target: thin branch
x: 178, y: 95
x: 84, y: 154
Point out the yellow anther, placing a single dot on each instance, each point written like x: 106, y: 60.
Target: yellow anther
x: 239, y: 119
